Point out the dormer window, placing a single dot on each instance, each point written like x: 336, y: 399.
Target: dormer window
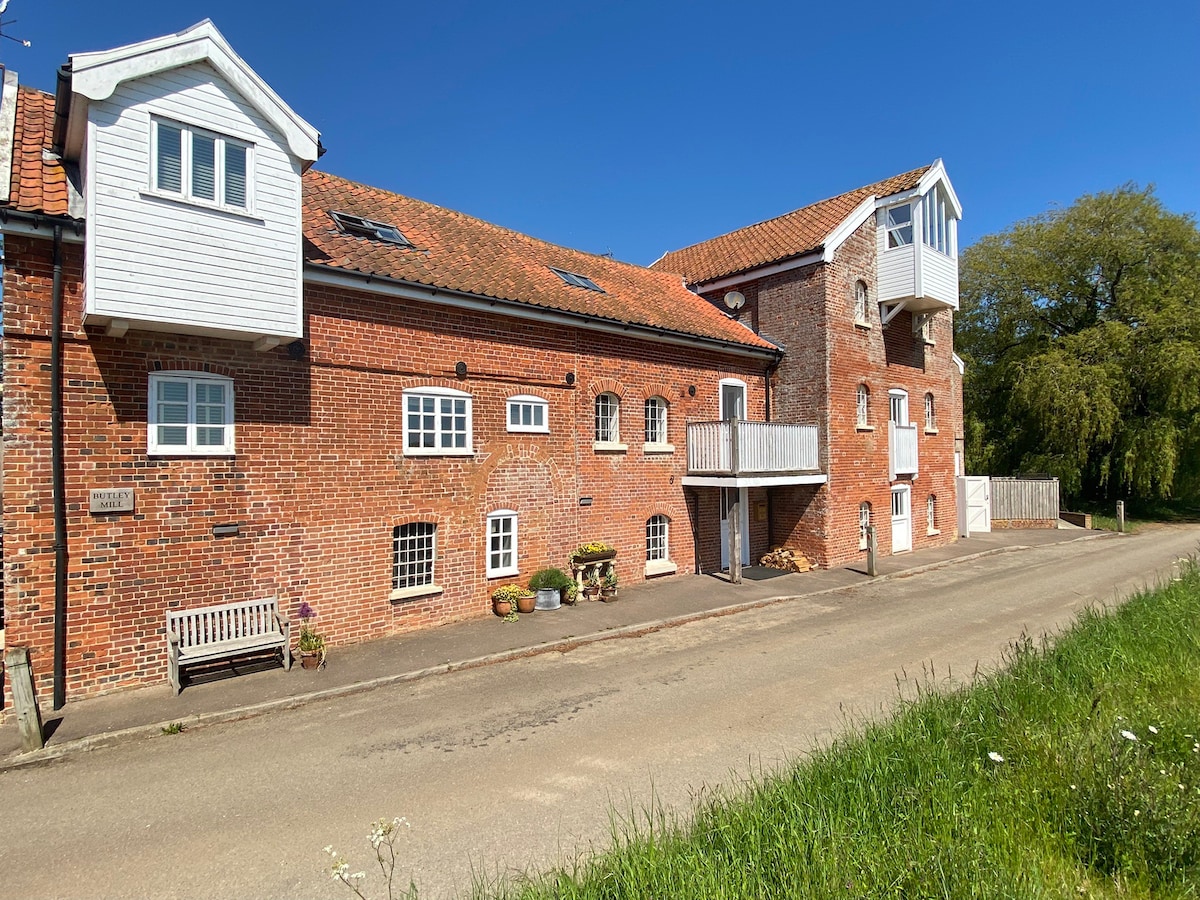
x: 899, y: 226
x: 200, y: 166
x: 935, y: 230
x: 368, y: 228
x: 576, y: 280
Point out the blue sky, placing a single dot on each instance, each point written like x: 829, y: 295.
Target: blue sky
x: 638, y: 128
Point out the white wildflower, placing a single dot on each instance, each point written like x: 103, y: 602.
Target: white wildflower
x: 1152, y: 729
x: 358, y: 876
x: 1162, y: 771
x: 1074, y: 788
x: 995, y: 757
x: 1128, y: 735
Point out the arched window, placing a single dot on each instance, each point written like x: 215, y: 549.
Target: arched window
x: 931, y: 513
x: 657, y: 544
x: 930, y: 414
x: 656, y: 421
x: 860, y: 303
x: 864, y: 522
x: 608, y: 418
x: 863, y: 407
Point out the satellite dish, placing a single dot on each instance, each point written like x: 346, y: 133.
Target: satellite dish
x: 735, y: 299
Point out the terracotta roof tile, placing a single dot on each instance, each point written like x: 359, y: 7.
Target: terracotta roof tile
x: 456, y: 252
x: 38, y: 183
x: 792, y: 234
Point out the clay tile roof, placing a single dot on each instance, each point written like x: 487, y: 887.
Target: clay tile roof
x: 792, y: 234
x: 39, y: 184
x: 453, y: 251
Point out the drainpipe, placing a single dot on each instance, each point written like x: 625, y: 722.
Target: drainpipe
x: 59, y: 486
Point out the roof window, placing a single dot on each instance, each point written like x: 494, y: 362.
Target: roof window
x: 577, y: 280
x: 378, y: 231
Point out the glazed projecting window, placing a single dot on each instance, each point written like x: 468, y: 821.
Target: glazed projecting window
x: 528, y: 413
x: 190, y: 414
x: 899, y: 226
x: 502, y: 543
x: 936, y: 225
x: 656, y: 421
x: 437, y: 422
x: 201, y: 166
x: 414, y: 548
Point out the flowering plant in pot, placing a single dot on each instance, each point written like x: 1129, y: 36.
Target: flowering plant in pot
x: 591, y: 551
x: 311, y: 646
x: 549, y: 585
x: 508, y: 599
x: 609, y: 585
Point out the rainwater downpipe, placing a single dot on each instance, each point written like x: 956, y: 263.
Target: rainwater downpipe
x: 58, y: 480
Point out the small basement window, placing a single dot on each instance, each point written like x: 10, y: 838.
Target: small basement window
x: 577, y: 280
x: 369, y: 228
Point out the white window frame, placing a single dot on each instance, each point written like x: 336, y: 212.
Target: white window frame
x: 187, y: 161
x: 862, y: 408
x: 439, y: 396
x: 899, y: 232
x: 536, y: 407
x: 930, y: 414
x: 898, y: 406
x: 500, y: 523
x: 935, y: 227
x: 658, y: 546
x: 864, y: 522
x: 740, y: 386
x: 154, y: 447
x: 419, y: 550
x: 931, y: 515
x: 862, y: 304
x: 606, y: 426
x: 656, y: 426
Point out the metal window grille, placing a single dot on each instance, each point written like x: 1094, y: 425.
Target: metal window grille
x: 413, y: 549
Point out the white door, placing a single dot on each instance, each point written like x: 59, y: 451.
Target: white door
x: 733, y: 399
x: 974, y: 504
x: 744, y: 505
x: 901, y: 519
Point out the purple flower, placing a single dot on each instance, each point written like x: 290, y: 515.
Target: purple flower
x: 306, y: 611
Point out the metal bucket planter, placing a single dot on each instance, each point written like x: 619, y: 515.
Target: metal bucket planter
x: 548, y: 598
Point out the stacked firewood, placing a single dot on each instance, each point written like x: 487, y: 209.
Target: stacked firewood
x: 786, y: 560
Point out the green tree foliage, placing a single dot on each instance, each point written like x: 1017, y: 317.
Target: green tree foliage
x: 1081, y: 333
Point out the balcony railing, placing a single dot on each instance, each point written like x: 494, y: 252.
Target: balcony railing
x: 902, y: 450
x: 751, y: 448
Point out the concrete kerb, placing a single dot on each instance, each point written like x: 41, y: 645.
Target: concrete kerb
x: 201, y: 720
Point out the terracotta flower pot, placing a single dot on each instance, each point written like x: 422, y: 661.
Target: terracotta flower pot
x: 502, y: 607
x: 310, y: 659
x: 526, y: 604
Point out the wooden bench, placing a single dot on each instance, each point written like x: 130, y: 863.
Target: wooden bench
x: 231, y: 629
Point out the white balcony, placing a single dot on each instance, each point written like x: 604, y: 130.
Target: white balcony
x: 752, y: 454
x: 902, y: 450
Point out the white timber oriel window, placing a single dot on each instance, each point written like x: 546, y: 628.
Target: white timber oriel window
x: 899, y: 226
x: 414, y: 549
x: 608, y: 418
x: 200, y: 166
x: 528, y: 413
x: 864, y: 522
x: 190, y: 414
x: 656, y: 423
x: 437, y: 422
x: 862, y: 410
x: 502, y: 543
x: 935, y: 227
x: 861, y: 310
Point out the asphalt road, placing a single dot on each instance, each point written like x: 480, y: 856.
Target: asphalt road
x: 523, y: 764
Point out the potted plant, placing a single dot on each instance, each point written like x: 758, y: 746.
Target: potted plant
x: 549, y: 585
x: 311, y: 647
x: 608, y: 586
x: 510, y: 597
x: 591, y: 585
x: 592, y: 551
x: 570, y: 596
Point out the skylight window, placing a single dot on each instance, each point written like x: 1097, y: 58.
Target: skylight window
x: 577, y: 280
x: 368, y: 228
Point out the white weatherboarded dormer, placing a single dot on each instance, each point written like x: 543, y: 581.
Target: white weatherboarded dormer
x: 191, y: 171
x: 917, y: 242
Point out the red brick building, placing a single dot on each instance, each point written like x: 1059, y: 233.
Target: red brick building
x: 267, y: 381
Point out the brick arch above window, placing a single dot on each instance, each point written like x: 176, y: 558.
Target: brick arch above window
x: 190, y: 366
x: 607, y: 386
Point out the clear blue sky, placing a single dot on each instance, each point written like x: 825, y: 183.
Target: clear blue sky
x: 642, y: 127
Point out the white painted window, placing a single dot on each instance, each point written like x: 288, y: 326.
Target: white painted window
x: 414, y: 547
x: 201, y: 166
x: 899, y: 226
x: 528, y: 413
x: 656, y: 421
x: 190, y: 414
x: 502, y: 543
x: 930, y: 414
x: 931, y: 514
x: 898, y: 407
x: 657, y: 544
x: 861, y: 312
x: 864, y: 522
x: 863, y: 406
x: 733, y: 399
x: 935, y: 225
x: 608, y: 418
x: 437, y: 422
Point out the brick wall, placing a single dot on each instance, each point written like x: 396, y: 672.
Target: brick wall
x: 319, y: 479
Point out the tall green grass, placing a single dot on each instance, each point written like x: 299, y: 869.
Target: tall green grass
x: 1075, y: 772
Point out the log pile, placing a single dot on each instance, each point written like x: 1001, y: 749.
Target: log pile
x: 786, y: 560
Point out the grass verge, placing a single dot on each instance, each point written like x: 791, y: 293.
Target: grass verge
x: 1075, y: 772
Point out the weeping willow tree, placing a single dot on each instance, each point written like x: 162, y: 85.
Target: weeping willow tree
x: 1081, y: 333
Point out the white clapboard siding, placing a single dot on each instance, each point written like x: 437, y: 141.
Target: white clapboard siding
x: 163, y: 263
x: 939, y: 276
x: 897, y: 272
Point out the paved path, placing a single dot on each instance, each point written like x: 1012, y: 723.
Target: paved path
x: 520, y: 763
